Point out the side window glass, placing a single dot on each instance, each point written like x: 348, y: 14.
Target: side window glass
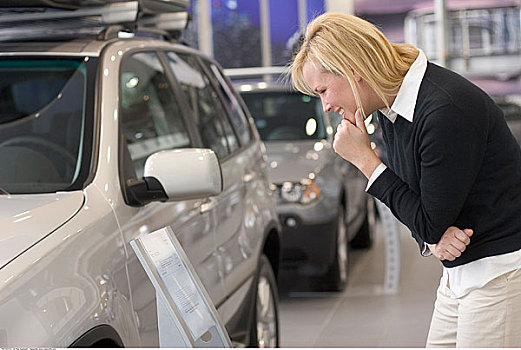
x: 237, y: 115
x: 150, y: 117
x: 206, y: 107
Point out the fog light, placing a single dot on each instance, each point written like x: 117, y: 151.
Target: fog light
x: 291, y: 222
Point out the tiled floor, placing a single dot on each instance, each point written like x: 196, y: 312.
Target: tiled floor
x: 363, y: 315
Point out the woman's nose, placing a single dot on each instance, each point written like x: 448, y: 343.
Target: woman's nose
x: 327, y: 107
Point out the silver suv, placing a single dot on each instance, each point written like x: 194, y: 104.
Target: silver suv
x: 104, y: 138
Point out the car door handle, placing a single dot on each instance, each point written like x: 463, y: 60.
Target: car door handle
x: 208, y: 205
x: 247, y: 177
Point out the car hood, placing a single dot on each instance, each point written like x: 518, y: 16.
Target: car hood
x: 26, y: 219
x: 294, y: 161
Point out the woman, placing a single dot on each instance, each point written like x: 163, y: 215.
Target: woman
x: 453, y: 163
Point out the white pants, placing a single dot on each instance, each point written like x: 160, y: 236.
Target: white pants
x: 489, y: 316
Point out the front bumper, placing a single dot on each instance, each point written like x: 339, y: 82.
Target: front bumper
x: 309, y: 249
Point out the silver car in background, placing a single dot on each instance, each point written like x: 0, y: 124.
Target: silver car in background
x: 321, y: 199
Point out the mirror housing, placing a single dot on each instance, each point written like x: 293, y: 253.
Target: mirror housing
x: 175, y: 175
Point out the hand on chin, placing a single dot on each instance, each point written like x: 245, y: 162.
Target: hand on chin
x: 349, y: 118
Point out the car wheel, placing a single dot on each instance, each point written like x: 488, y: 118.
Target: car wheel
x: 265, y: 326
x: 365, y: 237
x: 336, y: 277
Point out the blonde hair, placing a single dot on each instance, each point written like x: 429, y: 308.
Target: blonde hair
x: 342, y: 44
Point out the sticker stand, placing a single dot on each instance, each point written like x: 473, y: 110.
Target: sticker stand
x: 186, y: 314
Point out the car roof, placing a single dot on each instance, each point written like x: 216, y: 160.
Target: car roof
x: 258, y: 79
x: 87, y: 47
x: 271, y: 83
x: 70, y: 47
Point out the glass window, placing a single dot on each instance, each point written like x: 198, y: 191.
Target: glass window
x: 236, y: 33
x: 281, y: 116
x: 237, y: 115
x: 150, y: 117
x: 206, y: 107
x: 42, y: 123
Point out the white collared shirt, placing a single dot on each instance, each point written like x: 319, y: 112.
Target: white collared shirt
x: 464, y: 278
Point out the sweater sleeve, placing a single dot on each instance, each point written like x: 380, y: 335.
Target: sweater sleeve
x: 450, y: 150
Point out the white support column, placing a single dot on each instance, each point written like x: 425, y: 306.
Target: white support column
x: 440, y: 13
x: 391, y: 230
x: 302, y: 14
x: 345, y: 6
x: 265, y: 32
x: 204, y: 30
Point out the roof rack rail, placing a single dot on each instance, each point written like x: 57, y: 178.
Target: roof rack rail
x: 61, y: 4
x: 171, y: 23
x: 146, y: 6
x: 156, y: 7
x: 51, y: 21
x: 114, y: 13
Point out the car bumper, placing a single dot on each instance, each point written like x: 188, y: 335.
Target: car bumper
x: 308, y: 248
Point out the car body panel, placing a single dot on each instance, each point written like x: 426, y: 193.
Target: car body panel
x: 56, y: 301
x: 27, y: 219
x: 296, y: 160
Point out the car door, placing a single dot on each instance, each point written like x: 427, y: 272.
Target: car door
x: 151, y: 120
x: 245, y: 246
x: 216, y: 132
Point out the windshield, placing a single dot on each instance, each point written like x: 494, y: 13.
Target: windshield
x: 284, y: 116
x: 42, y: 124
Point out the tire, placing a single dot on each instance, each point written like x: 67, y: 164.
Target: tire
x: 264, y: 331
x: 336, y: 277
x: 365, y: 237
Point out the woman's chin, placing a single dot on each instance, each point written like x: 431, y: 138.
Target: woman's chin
x: 350, y: 119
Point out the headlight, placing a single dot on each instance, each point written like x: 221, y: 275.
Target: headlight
x: 303, y: 192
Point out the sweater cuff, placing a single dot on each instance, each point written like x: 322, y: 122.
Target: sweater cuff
x: 381, y: 185
x: 377, y: 172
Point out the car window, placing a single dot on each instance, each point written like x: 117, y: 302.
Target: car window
x: 237, y: 115
x: 42, y: 123
x: 151, y: 120
x: 282, y: 116
x: 207, y: 109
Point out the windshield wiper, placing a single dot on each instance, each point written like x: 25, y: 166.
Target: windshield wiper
x: 2, y: 191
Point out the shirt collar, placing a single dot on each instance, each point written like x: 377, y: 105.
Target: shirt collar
x: 405, y: 100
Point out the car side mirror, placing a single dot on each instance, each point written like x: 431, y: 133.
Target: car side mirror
x: 176, y: 175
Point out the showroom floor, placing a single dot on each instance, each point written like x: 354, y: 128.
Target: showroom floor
x: 362, y: 315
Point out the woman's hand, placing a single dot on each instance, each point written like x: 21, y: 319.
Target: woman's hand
x: 453, y: 242
x: 352, y: 143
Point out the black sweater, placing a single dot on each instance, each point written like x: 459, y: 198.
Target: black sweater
x: 457, y: 164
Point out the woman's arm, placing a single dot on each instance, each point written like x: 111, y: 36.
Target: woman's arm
x: 451, y: 150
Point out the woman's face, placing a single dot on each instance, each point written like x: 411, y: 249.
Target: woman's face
x: 334, y: 91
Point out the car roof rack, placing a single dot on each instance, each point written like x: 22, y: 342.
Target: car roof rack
x: 62, y: 19
x: 146, y: 6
